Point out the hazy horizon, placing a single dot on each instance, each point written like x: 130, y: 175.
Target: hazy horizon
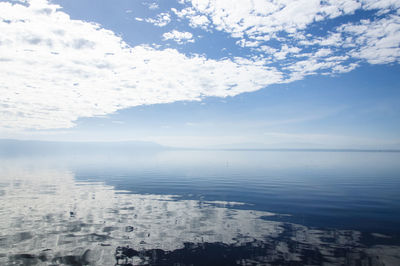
x: 138, y: 144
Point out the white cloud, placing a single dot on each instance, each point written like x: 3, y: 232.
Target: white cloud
x: 334, y: 39
x: 323, y: 52
x: 263, y: 17
x: 377, y: 41
x: 160, y: 20
x: 199, y: 22
x: 184, y: 12
x: 178, y: 36
x: 151, y: 6
x: 244, y: 43
x: 256, y: 22
x: 195, y: 20
x: 55, y: 70
x: 344, y: 69
x: 286, y: 50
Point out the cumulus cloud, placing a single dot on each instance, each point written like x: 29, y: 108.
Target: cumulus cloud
x: 266, y: 18
x: 199, y: 22
x: 55, y: 70
x: 255, y: 18
x: 178, y: 36
x: 160, y: 20
x: 267, y: 27
x: 376, y: 41
x: 195, y: 20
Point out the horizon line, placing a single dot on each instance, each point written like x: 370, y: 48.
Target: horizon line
x: 161, y: 146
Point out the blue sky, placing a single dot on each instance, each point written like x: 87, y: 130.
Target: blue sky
x: 309, y: 74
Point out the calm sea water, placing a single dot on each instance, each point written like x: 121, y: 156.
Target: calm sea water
x: 201, y: 208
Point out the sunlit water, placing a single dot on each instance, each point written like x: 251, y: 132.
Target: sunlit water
x: 201, y: 208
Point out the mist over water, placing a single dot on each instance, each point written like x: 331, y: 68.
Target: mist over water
x: 162, y: 207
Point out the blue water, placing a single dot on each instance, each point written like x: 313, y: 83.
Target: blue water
x: 312, y: 200
x: 357, y: 190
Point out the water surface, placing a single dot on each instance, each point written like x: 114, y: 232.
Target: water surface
x: 200, y: 207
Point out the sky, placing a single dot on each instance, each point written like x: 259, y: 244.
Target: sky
x: 202, y: 73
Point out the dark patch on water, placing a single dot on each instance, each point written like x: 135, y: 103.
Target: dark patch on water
x: 250, y: 253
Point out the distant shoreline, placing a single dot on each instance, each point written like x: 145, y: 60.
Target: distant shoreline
x: 13, y: 145
x: 287, y: 150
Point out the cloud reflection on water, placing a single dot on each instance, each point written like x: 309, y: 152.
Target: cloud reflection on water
x: 46, y: 217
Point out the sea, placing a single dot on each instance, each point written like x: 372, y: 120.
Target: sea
x: 200, y: 207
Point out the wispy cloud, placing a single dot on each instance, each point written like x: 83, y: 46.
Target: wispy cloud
x: 151, y: 6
